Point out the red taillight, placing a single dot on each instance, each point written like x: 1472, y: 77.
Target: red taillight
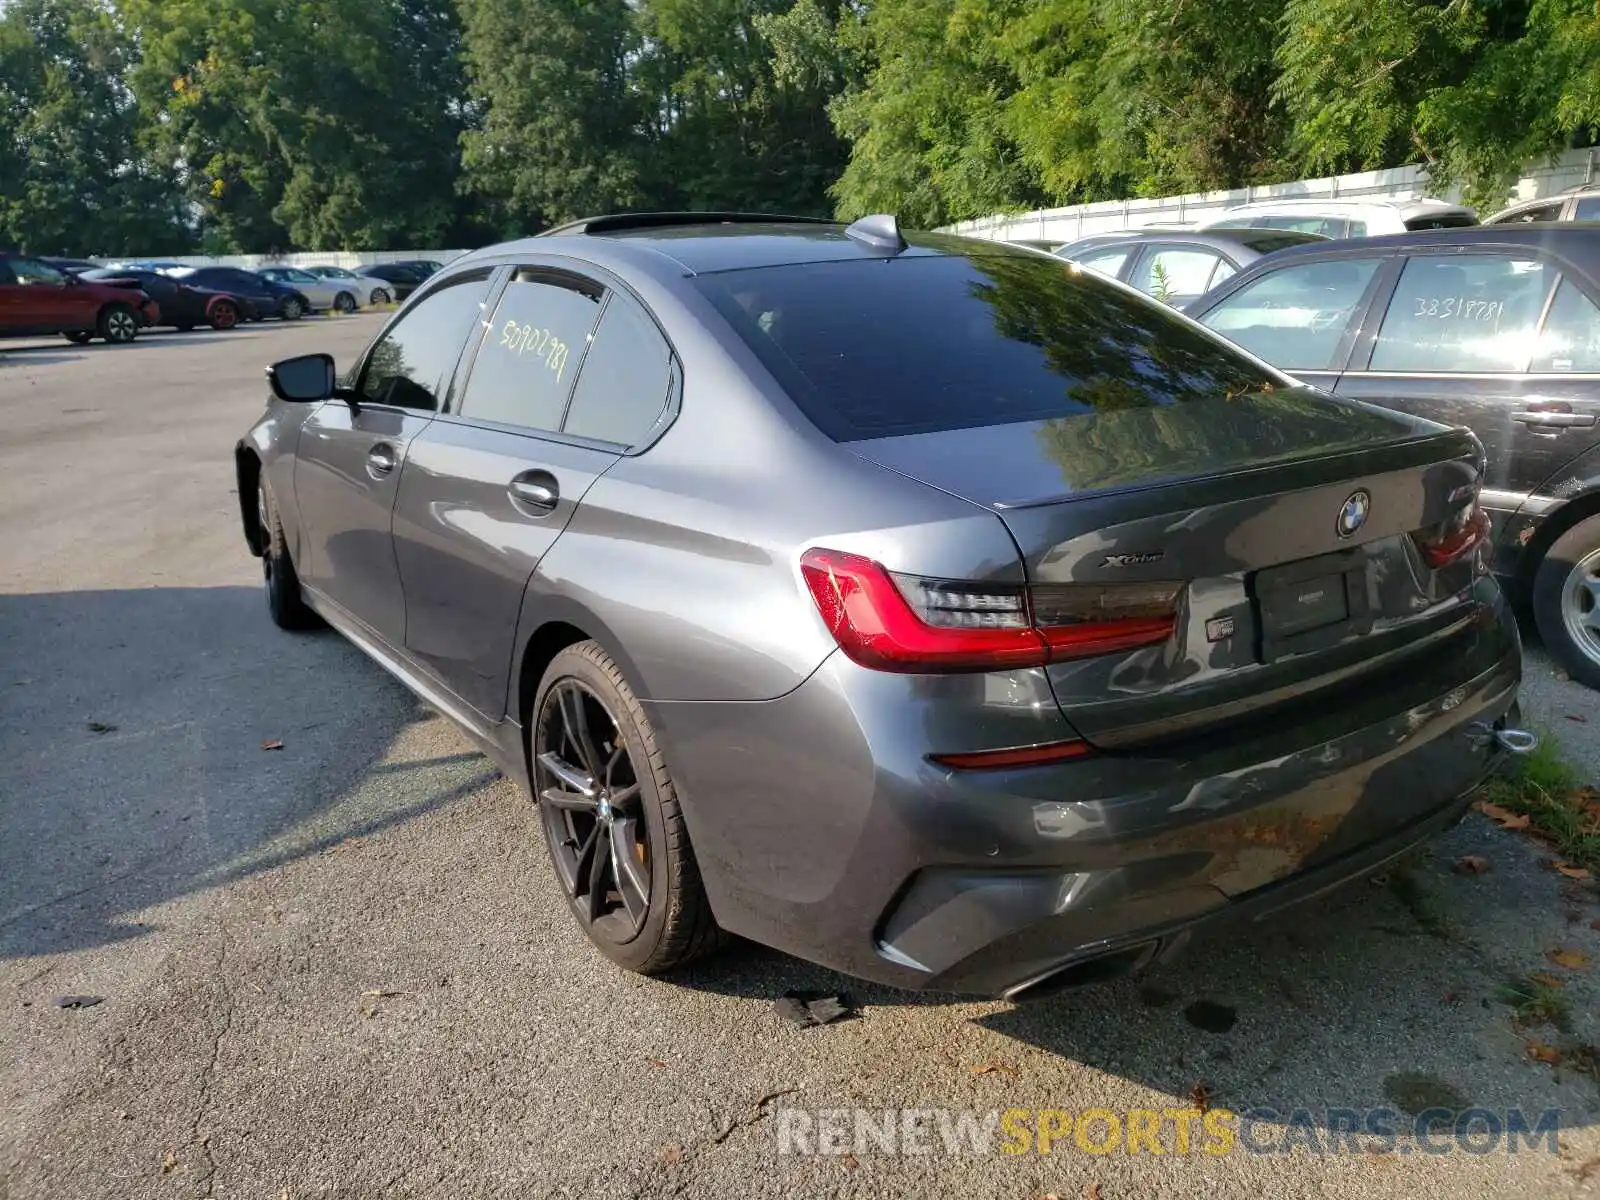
x: 1020, y: 756
x: 1456, y: 538
x: 963, y: 626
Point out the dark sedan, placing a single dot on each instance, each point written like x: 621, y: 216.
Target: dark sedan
x: 1178, y: 265
x: 183, y: 305
x: 1495, y: 327
x: 262, y: 297
x: 920, y: 606
x: 405, y: 277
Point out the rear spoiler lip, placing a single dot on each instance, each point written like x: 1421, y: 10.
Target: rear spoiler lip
x: 1467, y: 446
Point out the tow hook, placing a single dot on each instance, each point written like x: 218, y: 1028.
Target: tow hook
x: 1508, y: 738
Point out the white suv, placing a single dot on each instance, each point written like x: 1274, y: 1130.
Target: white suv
x: 1345, y: 218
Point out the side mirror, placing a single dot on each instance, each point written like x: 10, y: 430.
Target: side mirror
x: 305, y: 379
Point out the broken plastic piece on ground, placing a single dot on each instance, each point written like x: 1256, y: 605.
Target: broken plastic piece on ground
x: 806, y: 1009
x: 79, y: 1001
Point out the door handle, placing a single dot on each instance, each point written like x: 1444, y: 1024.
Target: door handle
x: 380, y: 460
x: 536, y: 490
x: 1555, y: 420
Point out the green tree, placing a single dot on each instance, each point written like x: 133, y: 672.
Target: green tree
x: 73, y: 178
x: 559, y: 126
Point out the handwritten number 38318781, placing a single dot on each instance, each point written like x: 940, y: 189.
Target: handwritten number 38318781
x: 521, y: 339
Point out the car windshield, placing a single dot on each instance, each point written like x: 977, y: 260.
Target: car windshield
x: 920, y: 343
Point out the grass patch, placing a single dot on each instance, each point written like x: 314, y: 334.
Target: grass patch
x: 1544, y: 787
x: 1534, y: 1001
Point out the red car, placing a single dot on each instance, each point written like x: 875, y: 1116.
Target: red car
x: 37, y: 298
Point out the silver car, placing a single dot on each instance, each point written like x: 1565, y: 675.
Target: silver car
x: 931, y: 609
x: 338, y: 294
x: 370, y: 289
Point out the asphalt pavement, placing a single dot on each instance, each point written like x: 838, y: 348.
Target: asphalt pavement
x: 322, y: 953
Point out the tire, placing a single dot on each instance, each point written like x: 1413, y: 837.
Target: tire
x: 224, y: 314
x: 291, y: 309
x: 117, y: 324
x: 675, y: 924
x: 344, y: 302
x: 79, y: 337
x: 379, y: 296
x: 284, y: 601
x: 1566, y: 601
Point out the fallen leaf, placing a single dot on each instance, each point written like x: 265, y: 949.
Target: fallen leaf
x: 656, y: 1062
x: 1549, y: 980
x: 1200, y: 1096
x: 379, y: 994
x: 851, y: 1162
x: 101, y: 727
x: 1539, y: 1052
x: 169, y: 1164
x: 1473, y: 864
x: 1450, y: 998
x: 670, y: 1155
x: 1093, y: 1191
x: 1571, y: 959
x: 1576, y: 717
x: 1595, y: 924
x: 1570, y: 871
x: 990, y: 1068
x: 1503, y: 817
x: 272, y: 744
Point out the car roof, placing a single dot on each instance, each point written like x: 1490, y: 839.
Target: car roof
x: 706, y: 243
x: 1232, y: 238
x: 1574, y: 239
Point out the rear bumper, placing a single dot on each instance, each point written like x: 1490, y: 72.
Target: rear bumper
x: 821, y: 828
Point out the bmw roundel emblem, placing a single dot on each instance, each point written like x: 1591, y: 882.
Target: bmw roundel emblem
x: 1353, y: 515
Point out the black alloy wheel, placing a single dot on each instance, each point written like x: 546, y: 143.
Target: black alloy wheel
x: 590, y: 796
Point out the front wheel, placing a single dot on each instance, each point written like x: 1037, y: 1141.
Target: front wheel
x: 292, y: 309
x: 117, y: 324
x: 79, y: 337
x: 611, y: 818
x: 344, y: 302
x: 284, y: 601
x: 379, y: 296
x: 1566, y: 601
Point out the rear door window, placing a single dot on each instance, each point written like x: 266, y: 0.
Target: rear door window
x: 921, y: 342
x: 1463, y: 313
x: 622, y: 386
x: 1174, y: 274
x: 1587, y: 209
x: 1296, y: 317
x: 1571, y: 337
x: 531, y: 350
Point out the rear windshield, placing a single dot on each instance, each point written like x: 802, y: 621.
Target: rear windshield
x: 1279, y: 239
x: 920, y: 343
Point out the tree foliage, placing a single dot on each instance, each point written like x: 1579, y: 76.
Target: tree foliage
x: 155, y: 126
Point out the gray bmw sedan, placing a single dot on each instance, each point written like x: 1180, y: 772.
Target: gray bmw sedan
x: 927, y: 608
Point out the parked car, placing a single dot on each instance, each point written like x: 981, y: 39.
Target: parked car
x: 1575, y: 204
x: 1497, y: 328
x: 404, y: 279
x: 182, y: 305
x: 372, y: 288
x: 1177, y: 265
x: 423, y: 266
x: 149, y: 265
x: 263, y: 297
x: 321, y: 293
x: 36, y: 298
x: 926, y: 610
x: 72, y: 266
x: 1367, y: 217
